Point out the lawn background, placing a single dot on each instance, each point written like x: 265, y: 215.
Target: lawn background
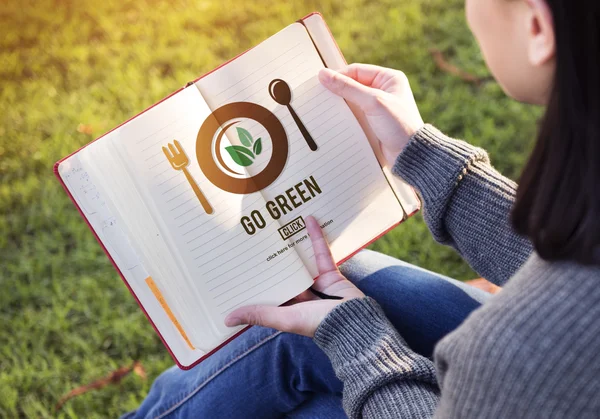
x: 71, y: 70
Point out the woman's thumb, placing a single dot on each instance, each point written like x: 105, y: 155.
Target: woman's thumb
x: 258, y: 315
x: 346, y: 87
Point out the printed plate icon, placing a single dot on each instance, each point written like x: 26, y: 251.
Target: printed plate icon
x: 212, y: 130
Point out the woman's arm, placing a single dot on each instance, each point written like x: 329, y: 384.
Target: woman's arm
x: 382, y: 376
x: 466, y: 202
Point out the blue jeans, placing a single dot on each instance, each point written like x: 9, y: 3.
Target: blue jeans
x: 268, y: 374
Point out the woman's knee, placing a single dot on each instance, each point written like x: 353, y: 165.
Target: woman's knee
x: 367, y: 263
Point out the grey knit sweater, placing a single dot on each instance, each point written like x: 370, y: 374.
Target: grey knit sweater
x: 533, y: 350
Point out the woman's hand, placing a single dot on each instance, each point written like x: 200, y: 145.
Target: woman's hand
x: 303, y: 314
x: 384, y: 96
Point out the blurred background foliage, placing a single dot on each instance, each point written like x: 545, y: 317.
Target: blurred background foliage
x: 72, y: 69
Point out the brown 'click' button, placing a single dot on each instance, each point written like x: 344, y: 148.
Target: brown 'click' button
x: 291, y: 228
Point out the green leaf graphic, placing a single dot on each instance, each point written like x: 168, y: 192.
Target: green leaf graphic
x: 240, y: 155
x: 258, y: 146
x: 245, y: 137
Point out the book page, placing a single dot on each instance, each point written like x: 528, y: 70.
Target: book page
x: 331, y: 54
x: 92, y: 202
x: 335, y: 177
x: 223, y: 267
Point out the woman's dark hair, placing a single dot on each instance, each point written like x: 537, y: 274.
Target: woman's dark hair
x: 558, y: 199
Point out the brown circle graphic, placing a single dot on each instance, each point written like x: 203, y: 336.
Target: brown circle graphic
x: 215, y: 121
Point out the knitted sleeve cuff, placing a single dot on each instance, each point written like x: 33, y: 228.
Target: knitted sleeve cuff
x: 368, y: 354
x: 434, y: 164
x: 357, y: 333
x: 351, y: 328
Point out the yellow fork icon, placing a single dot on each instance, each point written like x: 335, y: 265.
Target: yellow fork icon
x: 179, y: 161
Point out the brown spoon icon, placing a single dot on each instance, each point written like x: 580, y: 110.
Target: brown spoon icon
x: 281, y: 93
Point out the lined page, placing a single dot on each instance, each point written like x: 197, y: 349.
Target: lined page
x: 356, y: 203
x: 108, y: 167
x: 224, y: 267
x: 92, y: 202
x: 334, y: 59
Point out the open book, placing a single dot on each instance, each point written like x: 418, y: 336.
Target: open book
x: 200, y: 200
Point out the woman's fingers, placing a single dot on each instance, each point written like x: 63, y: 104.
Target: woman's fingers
x: 323, y: 256
x: 301, y: 318
x: 376, y: 77
x: 303, y: 314
x: 370, y: 75
x: 347, y: 87
x: 362, y: 73
x: 256, y: 315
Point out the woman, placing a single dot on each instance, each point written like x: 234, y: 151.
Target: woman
x: 533, y: 350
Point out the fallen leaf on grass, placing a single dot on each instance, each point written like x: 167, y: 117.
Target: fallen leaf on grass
x: 112, y: 378
x: 448, y: 67
x: 85, y: 129
x: 139, y: 370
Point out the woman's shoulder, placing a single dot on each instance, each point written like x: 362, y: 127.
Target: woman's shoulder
x: 536, y: 341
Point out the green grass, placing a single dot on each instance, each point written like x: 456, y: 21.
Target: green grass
x: 65, y: 316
